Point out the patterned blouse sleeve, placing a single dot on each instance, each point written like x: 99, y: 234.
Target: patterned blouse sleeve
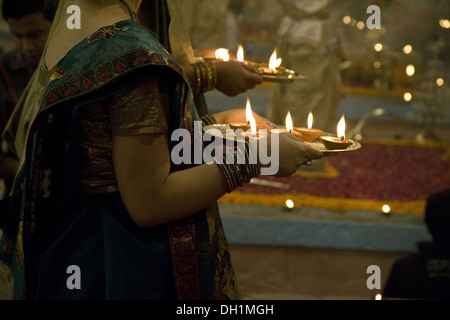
x: 141, y: 110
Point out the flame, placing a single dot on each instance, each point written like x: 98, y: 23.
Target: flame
x: 249, y: 117
x: 248, y: 111
x: 341, y: 128
x: 289, y: 124
x: 240, y: 54
x: 310, y: 120
x: 222, y: 54
x: 274, y: 63
x: 253, y: 125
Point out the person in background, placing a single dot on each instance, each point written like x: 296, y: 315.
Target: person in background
x: 169, y: 20
x: 426, y: 274
x: 29, y: 22
x: 308, y: 43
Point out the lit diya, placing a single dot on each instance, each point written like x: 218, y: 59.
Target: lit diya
x: 309, y: 134
x: 253, y: 134
x: 289, y: 127
x: 339, y: 142
x: 274, y: 66
x: 248, y: 115
x: 273, y: 71
x: 224, y: 55
x: 240, y: 58
x: 249, y: 129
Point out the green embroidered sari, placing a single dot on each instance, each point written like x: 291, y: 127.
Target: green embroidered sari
x: 52, y: 227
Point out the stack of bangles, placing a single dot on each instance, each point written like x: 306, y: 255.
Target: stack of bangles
x: 206, y: 74
x: 239, y: 161
x: 242, y: 169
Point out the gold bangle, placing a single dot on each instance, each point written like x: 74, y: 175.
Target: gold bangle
x: 208, y: 119
x: 237, y: 174
x: 208, y: 77
x: 204, y: 78
x: 199, y: 79
x: 212, y: 75
x: 199, y: 59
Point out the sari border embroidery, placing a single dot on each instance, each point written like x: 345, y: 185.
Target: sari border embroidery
x: 106, y: 33
x: 184, y: 260
x: 104, y: 73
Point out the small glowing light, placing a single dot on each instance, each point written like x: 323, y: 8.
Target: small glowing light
x: 407, y: 49
x: 360, y: 25
x: 378, y: 47
x: 377, y: 65
x: 240, y: 54
x: 222, y: 54
x: 444, y: 23
x: 410, y: 70
x: 378, y: 297
x: 310, y: 120
x: 289, y: 123
x: 249, y: 117
x: 347, y: 19
x: 289, y: 204
x: 440, y: 82
x: 253, y: 126
x: 248, y: 111
x: 386, y: 209
x: 341, y: 128
x: 407, y: 96
x: 274, y: 62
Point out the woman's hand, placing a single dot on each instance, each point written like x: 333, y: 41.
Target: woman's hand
x: 234, y: 77
x: 238, y: 115
x: 289, y: 154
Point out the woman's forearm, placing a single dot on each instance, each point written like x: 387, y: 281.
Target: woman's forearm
x: 153, y: 195
x: 189, y: 191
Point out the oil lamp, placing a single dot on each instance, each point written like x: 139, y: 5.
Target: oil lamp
x: 339, y: 142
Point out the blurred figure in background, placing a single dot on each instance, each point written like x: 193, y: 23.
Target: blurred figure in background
x: 232, y: 35
x: 426, y: 274
x: 309, y: 45
x: 206, y: 21
x: 29, y: 22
